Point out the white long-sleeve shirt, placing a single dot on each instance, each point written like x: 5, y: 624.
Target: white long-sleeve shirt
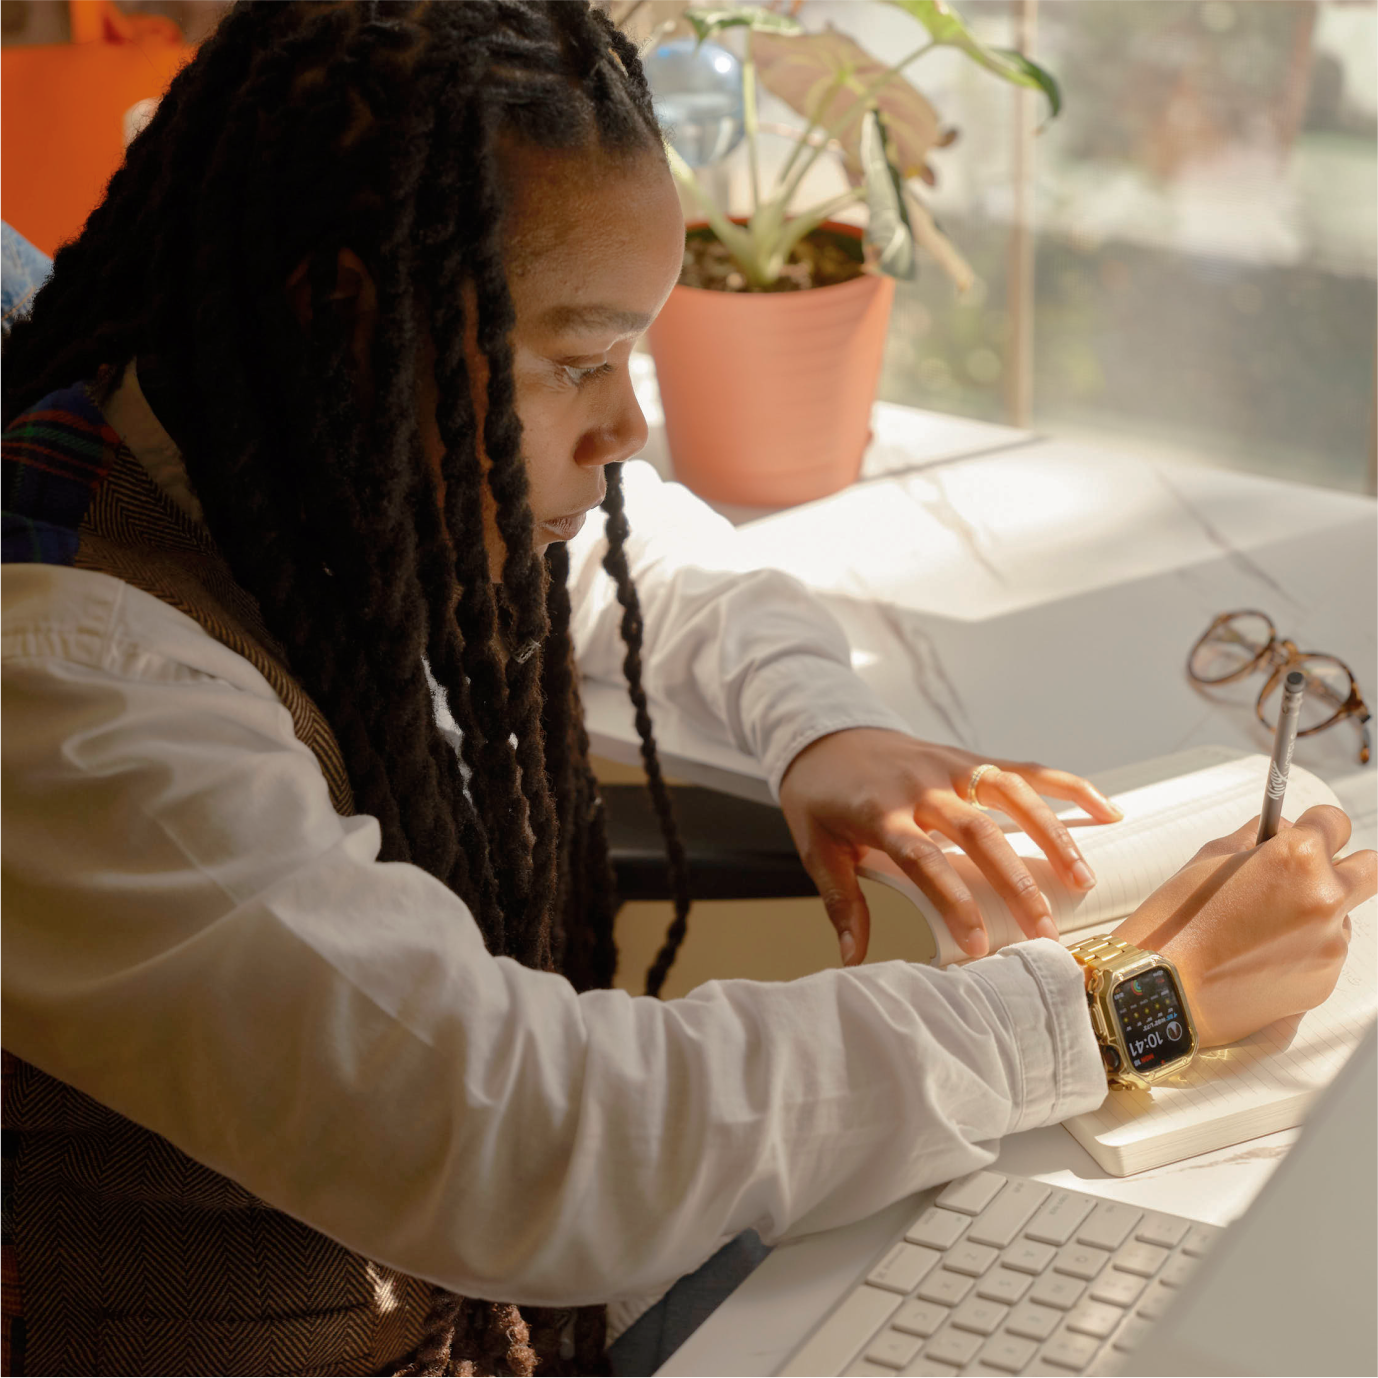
x: 195, y: 938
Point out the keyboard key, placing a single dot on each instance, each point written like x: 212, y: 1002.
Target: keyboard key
x: 1164, y: 1230
x: 1178, y: 1269
x: 1108, y: 1226
x: 1070, y: 1350
x: 1143, y: 1259
x: 864, y: 1368
x: 1094, y: 1318
x: 893, y: 1348
x: 1053, y: 1289
x: 947, y: 1288
x: 903, y: 1268
x: 1132, y: 1332
x: 930, y: 1368
x: 1026, y: 1256
x: 1154, y: 1301
x: 1003, y: 1219
x: 984, y: 1317
x: 1117, y: 1288
x: 1105, y: 1364
x: 1058, y: 1217
x: 1199, y: 1240
x: 1037, y: 1322
x: 971, y: 1194
x: 971, y: 1259
x: 952, y: 1346
x: 836, y: 1341
x: 937, y: 1228
x: 1003, y: 1284
x: 919, y: 1317
x: 1080, y: 1260
x: 1007, y: 1351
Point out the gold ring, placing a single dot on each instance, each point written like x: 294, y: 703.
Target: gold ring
x: 975, y: 781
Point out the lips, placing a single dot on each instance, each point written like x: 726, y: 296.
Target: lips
x: 565, y: 528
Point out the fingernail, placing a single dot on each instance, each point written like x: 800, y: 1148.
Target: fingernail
x: 1083, y: 875
x: 1046, y: 928
x: 977, y: 943
x: 847, y: 945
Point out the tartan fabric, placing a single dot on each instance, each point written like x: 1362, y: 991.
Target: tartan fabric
x: 54, y: 458
x: 121, y: 1253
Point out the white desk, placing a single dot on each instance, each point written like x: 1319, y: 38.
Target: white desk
x: 1039, y: 602
x: 1037, y: 599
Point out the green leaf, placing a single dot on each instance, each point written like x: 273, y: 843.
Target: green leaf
x: 887, y: 224
x: 1037, y: 76
x: 828, y: 78
x: 707, y: 22
x: 946, y: 27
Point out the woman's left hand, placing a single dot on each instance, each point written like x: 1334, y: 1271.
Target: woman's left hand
x: 868, y: 787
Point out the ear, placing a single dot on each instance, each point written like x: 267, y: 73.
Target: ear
x: 354, y: 296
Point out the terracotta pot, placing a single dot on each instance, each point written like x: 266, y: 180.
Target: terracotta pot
x: 767, y: 395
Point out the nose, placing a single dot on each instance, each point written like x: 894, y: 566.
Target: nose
x: 622, y: 431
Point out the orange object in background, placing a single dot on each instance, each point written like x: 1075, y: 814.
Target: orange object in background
x: 62, y: 109
x: 767, y: 395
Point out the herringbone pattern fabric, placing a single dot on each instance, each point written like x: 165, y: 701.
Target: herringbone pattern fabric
x: 132, y: 531
x: 11, y: 1304
x: 137, y: 1259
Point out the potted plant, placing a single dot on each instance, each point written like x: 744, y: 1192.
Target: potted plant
x: 769, y: 349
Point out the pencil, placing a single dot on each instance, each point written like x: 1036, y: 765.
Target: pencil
x: 1283, y: 741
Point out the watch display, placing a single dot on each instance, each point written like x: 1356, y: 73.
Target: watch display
x: 1149, y: 1009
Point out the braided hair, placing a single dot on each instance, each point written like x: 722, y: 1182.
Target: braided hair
x: 298, y: 130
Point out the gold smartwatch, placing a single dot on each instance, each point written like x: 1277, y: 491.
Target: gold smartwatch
x: 1138, y: 1010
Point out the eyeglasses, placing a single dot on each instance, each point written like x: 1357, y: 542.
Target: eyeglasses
x: 1238, y: 643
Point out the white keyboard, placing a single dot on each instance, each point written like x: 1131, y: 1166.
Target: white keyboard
x: 1006, y: 1275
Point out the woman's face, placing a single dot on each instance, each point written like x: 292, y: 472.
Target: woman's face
x: 594, y: 246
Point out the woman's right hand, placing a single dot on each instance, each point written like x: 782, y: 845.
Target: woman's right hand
x: 1258, y: 933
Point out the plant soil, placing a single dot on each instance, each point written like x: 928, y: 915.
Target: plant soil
x: 821, y: 259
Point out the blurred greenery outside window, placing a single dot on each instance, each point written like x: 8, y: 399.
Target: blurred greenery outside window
x: 1205, y: 227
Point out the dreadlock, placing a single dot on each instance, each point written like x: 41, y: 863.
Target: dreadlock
x: 298, y: 130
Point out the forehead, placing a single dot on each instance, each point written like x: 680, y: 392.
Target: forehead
x: 585, y: 225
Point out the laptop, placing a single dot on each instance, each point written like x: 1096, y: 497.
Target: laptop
x: 1005, y: 1275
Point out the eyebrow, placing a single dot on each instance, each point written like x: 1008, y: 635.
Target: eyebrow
x: 591, y: 318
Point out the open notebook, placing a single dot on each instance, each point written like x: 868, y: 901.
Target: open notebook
x: 1172, y: 805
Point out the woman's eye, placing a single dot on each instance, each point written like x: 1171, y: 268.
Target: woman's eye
x: 580, y: 376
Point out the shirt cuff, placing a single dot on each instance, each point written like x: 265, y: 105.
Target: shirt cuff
x: 1055, y: 1062
x: 806, y: 697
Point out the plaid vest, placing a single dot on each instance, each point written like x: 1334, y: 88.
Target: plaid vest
x: 122, y: 1254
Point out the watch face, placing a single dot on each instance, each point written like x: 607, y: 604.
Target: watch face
x: 1152, y: 1020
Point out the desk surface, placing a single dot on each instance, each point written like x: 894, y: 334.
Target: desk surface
x: 1036, y: 599
x: 1038, y: 602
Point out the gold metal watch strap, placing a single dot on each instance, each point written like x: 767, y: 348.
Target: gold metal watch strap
x: 1103, y: 953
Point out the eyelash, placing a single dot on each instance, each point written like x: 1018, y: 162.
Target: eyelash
x: 579, y: 376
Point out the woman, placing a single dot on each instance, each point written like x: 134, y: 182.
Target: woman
x: 308, y: 1010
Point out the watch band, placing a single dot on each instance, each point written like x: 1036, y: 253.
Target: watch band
x: 1103, y: 953
x: 1102, y: 959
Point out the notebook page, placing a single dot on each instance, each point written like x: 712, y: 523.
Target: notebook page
x: 1165, y: 823
x: 1282, y: 1067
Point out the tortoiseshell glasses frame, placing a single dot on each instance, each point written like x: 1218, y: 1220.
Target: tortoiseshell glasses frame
x: 1239, y: 643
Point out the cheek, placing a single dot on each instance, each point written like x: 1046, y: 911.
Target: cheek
x: 551, y: 426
